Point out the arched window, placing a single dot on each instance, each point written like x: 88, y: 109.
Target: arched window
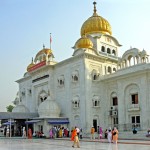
x: 75, y: 76
x: 114, y: 69
x: 61, y: 81
x: 95, y: 75
x: 108, y: 50
x: 114, y: 52
x: 103, y: 49
x: 96, y: 101
x: 76, y: 101
x: 109, y: 69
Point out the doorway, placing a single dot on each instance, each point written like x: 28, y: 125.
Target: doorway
x: 95, y: 124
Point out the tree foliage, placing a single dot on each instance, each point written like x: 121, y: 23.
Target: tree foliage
x: 9, y: 108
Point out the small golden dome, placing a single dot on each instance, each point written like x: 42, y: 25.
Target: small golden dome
x: 96, y: 24
x: 45, y: 51
x: 30, y: 65
x: 84, y: 42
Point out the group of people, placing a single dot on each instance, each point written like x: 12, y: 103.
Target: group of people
x: 26, y: 134
x: 58, y: 132
x: 110, y: 134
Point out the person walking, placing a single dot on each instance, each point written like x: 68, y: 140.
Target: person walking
x: 24, y: 132
x: 92, y: 133
x: 75, y: 138
x: 115, y: 135
x: 100, y: 133
x: 109, y: 135
x: 7, y: 132
x: 29, y: 133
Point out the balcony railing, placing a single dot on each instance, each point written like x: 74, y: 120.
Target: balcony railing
x: 133, y: 107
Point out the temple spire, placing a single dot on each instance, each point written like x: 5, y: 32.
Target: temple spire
x: 94, y: 14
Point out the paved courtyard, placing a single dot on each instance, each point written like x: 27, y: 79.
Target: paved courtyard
x: 47, y: 144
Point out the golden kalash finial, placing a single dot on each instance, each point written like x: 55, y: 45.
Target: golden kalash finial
x: 94, y: 3
x: 43, y: 46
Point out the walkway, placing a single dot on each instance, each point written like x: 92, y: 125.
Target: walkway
x: 65, y: 144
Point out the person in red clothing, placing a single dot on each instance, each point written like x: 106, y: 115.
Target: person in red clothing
x: 29, y: 133
x: 74, y: 137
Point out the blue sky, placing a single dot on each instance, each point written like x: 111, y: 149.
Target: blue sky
x: 25, y: 26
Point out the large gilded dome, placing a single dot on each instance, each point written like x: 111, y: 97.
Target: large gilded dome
x: 96, y: 24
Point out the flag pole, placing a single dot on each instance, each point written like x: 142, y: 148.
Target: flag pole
x: 50, y: 40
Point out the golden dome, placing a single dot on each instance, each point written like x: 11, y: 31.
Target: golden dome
x: 30, y: 65
x: 96, y: 24
x: 84, y: 42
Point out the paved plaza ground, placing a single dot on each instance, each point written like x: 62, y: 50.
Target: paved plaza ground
x: 66, y: 144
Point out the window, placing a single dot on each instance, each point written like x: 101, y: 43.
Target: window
x: 115, y: 101
x: 95, y: 75
x: 114, y: 52
x: 75, y: 104
x: 75, y: 76
x: 135, y: 120
x: 114, y: 69
x: 96, y: 101
x: 109, y: 69
x: 61, y: 80
x: 108, y: 50
x: 103, y: 49
x: 134, y: 98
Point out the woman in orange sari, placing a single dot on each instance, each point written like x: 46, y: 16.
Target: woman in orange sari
x: 29, y: 133
x: 115, y: 135
x: 75, y: 138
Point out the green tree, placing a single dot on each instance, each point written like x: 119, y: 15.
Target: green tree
x: 9, y: 108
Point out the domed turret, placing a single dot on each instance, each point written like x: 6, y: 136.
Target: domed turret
x: 96, y: 24
x: 30, y: 65
x: 43, y: 54
x: 84, y: 42
x: 20, y: 108
x: 49, y: 108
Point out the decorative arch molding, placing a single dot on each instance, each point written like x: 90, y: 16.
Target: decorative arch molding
x: 96, y: 101
x: 95, y: 74
x: 114, y: 100
x: 76, y: 101
x: 42, y: 96
x: 132, y: 97
x: 75, y: 76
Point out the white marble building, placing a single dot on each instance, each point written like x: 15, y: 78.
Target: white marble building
x: 93, y: 87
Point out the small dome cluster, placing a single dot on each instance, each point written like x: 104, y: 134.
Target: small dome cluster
x: 43, y: 55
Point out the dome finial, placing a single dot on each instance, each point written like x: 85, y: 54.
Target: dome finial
x: 94, y: 3
x: 43, y: 46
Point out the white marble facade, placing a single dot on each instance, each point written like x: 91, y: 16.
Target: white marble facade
x: 94, y: 86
